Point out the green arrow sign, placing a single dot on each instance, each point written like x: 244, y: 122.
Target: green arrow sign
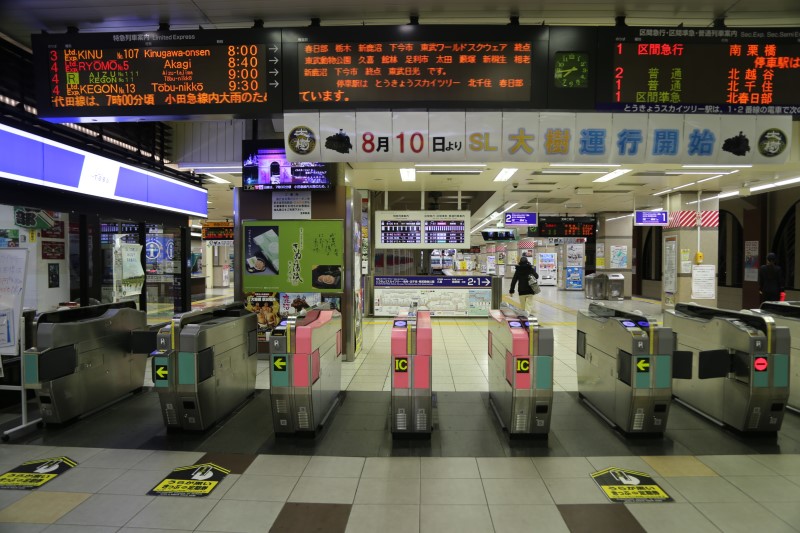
x: 642, y: 364
x: 280, y: 364
x: 162, y: 371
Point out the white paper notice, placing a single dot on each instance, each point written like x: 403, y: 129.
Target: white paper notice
x: 670, y: 270
x: 704, y: 282
x: 291, y: 205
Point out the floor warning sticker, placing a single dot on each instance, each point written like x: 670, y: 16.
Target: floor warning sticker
x: 194, y: 480
x: 629, y: 486
x: 34, y: 474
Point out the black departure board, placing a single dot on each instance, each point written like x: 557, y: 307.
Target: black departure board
x: 444, y: 232
x: 564, y: 227
x: 110, y: 76
x: 705, y: 70
x: 401, y: 232
x: 401, y: 66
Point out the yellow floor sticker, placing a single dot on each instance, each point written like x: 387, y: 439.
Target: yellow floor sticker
x: 192, y: 480
x: 34, y: 474
x: 629, y: 486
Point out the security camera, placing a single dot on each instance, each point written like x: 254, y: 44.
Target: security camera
x: 515, y: 185
x: 230, y: 187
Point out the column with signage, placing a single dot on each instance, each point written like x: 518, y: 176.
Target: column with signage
x: 614, y: 249
x: 690, y: 253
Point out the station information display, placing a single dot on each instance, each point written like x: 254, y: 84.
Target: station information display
x: 110, y: 76
x: 422, y: 229
x: 651, y: 218
x: 520, y: 219
x: 564, y: 227
x: 728, y: 70
x: 397, y: 67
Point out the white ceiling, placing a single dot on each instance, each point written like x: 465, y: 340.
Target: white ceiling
x: 20, y: 18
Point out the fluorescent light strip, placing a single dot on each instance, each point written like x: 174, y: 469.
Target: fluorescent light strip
x: 505, y: 174
x: 727, y: 195
x: 679, y: 173
x: 716, y: 166
x: 449, y: 172
x: 547, y: 172
x: 611, y: 175
x: 451, y: 165
x: 194, y: 234
x: 683, y: 186
x: 583, y: 165
x: 711, y: 178
x: 618, y: 218
x: 662, y: 192
x: 408, y: 174
x: 762, y: 187
x: 790, y: 181
x: 216, y: 179
x: 507, y: 208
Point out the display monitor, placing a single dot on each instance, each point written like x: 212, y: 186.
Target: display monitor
x: 499, y: 235
x: 265, y: 168
x: 422, y: 229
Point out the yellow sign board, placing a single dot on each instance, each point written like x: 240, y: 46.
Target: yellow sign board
x: 629, y: 486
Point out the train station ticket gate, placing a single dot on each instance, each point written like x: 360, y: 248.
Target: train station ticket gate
x: 737, y: 364
x: 520, y: 371
x: 205, y: 365
x: 305, y: 371
x: 83, y: 359
x: 788, y: 314
x: 412, y: 350
x: 624, y: 363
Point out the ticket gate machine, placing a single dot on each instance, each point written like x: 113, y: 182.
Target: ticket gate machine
x: 205, y: 365
x: 305, y: 370
x: 520, y: 371
x: 624, y: 365
x: 739, y: 365
x: 788, y: 314
x: 412, y: 350
x: 82, y: 359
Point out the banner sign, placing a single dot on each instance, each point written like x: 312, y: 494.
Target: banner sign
x: 604, y: 138
x: 456, y: 282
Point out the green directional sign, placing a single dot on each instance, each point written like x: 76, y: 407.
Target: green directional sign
x: 643, y: 364
x: 162, y: 372
x: 279, y: 363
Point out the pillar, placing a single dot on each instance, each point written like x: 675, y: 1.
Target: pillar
x: 693, y: 227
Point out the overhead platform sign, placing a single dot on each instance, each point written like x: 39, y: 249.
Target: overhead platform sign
x: 651, y: 218
x: 158, y: 75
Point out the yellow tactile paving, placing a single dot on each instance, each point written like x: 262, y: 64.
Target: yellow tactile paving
x: 679, y: 466
x: 42, y: 507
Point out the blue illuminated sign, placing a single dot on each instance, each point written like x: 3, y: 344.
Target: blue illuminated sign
x: 628, y: 324
x: 643, y: 324
x: 522, y: 219
x: 651, y: 218
x: 515, y: 324
x: 36, y: 160
x: 400, y: 323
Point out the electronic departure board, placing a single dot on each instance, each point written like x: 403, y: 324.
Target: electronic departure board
x: 564, y: 227
x: 707, y: 70
x: 404, y: 66
x: 422, y: 229
x: 158, y: 75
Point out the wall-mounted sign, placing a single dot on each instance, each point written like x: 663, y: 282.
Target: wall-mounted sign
x: 521, y: 219
x: 217, y: 231
x: 158, y: 74
x: 651, y: 218
x: 422, y: 229
x: 699, y: 70
x: 400, y: 66
x: 550, y: 226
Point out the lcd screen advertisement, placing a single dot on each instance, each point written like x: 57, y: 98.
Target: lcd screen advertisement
x: 293, y: 256
x: 265, y: 168
x: 422, y: 229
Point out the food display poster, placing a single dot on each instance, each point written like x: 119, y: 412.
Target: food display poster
x: 293, y: 256
x: 272, y: 307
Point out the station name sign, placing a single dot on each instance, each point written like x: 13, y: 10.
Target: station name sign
x: 158, y: 74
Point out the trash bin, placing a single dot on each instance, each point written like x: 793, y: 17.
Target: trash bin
x: 596, y: 286
x: 615, y: 287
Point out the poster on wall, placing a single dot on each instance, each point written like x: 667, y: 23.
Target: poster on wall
x: 686, y: 261
x: 266, y: 306
x: 53, y: 250
x: 575, y: 253
x: 54, y: 232
x: 751, y: 260
x: 131, y: 278
x: 670, y: 267
x: 13, y: 265
x: 619, y: 257
x: 293, y: 256
x: 9, y: 238
x: 704, y: 282
x: 291, y: 205
x: 574, y: 278
x: 53, y: 276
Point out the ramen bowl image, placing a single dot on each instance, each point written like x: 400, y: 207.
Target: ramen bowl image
x: 327, y: 277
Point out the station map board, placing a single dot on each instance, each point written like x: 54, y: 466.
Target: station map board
x: 110, y: 76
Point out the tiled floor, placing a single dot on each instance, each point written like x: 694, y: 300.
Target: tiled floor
x: 404, y: 494
x: 468, y: 477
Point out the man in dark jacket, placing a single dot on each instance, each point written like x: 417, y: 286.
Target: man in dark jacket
x: 770, y: 280
x: 524, y: 269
